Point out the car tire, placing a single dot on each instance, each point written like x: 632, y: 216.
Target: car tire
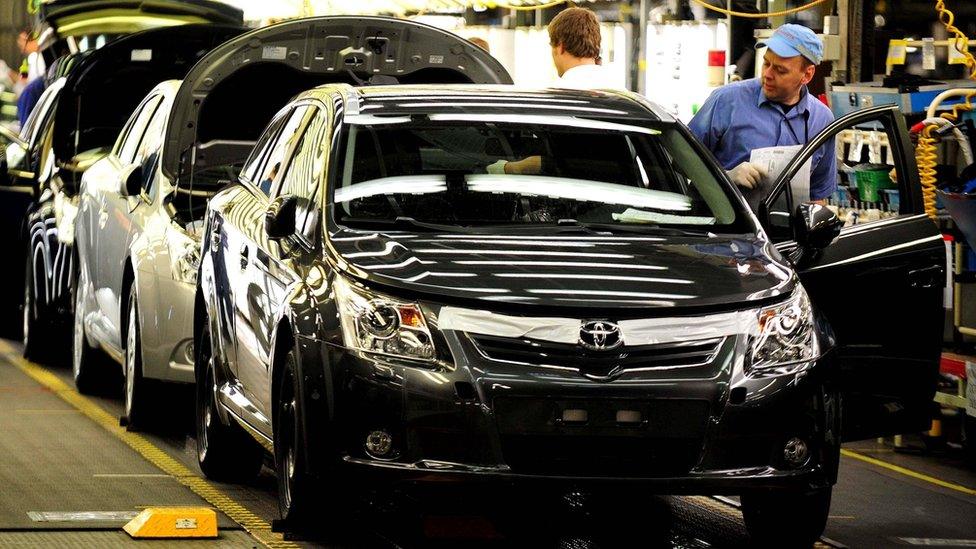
x: 84, y: 365
x: 786, y: 518
x: 225, y: 453
x: 138, y: 405
x: 33, y: 325
x: 297, y: 489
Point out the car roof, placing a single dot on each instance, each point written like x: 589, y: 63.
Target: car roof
x: 493, y: 99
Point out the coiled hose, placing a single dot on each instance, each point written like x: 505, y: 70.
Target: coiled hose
x: 925, y: 152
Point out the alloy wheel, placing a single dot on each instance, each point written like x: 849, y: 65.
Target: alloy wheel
x: 130, y: 360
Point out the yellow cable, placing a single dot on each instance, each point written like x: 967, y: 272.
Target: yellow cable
x: 758, y: 15
x: 528, y: 8
x: 925, y: 152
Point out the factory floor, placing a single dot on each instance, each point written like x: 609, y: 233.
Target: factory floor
x: 70, y: 476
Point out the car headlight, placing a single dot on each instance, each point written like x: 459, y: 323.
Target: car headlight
x: 377, y: 323
x: 786, y: 334
x: 185, y: 255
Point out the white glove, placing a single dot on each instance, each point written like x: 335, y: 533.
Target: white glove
x: 747, y: 175
x: 497, y: 168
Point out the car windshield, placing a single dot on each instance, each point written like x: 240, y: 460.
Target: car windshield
x: 526, y: 171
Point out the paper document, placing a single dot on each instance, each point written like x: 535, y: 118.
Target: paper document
x: 774, y: 160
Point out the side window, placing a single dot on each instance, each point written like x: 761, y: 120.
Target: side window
x: 149, y: 147
x: 305, y: 170
x: 269, y: 172
x: 874, y: 176
x: 137, y: 127
x: 252, y: 167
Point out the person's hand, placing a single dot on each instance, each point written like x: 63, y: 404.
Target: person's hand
x: 747, y: 175
x: 531, y: 165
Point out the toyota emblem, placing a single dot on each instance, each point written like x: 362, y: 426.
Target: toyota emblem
x: 600, y: 335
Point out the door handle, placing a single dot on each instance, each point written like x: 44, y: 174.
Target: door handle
x: 245, y: 252
x: 928, y: 277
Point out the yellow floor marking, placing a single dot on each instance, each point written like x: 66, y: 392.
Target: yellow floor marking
x: 45, y: 412
x: 256, y: 526
x: 909, y: 472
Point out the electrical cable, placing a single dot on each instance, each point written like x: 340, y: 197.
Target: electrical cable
x: 724, y: 11
x: 529, y: 8
x: 926, y: 155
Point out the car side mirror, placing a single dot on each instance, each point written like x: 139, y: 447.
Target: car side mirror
x: 279, y: 219
x: 132, y: 180
x: 816, y: 226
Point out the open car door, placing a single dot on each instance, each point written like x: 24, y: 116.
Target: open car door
x: 879, y: 284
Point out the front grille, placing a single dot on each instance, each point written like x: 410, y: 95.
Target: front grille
x: 598, y: 363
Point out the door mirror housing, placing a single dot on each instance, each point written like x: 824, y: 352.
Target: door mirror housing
x: 279, y: 219
x: 816, y: 226
x: 132, y: 180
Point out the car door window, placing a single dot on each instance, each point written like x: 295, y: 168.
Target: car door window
x: 149, y: 147
x: 270, y: 168
x: 252, y: 167
x: 305, y: 169
x: 137, y: 128
x: 874, y: 179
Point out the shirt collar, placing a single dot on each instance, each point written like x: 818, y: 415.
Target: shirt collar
x: 802, y: 106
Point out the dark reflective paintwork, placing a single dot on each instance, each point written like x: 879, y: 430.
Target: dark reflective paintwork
x: 879, y: 286
x: 494, y: 409
x: 541, y: 267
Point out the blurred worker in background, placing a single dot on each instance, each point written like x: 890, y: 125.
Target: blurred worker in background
x: 480, y: 42
x: 574, y: 35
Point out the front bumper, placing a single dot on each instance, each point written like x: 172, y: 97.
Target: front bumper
x: 711, y: 429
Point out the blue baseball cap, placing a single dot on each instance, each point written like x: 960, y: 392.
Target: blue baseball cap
x: 791, y: 40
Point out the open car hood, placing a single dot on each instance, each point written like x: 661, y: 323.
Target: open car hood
x: 105, y: 85
x: 63, y: 18
x: 233, y: 92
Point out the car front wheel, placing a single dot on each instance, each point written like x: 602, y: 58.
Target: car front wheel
x: 83, y: 365
x: 33, y: 324
x: 138, y: 408
x: 225, y: 452
x: 786, y: 518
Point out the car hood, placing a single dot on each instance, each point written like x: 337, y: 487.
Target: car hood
x: 582, y: 271
x: 63, y: 18
x: 313, y: 51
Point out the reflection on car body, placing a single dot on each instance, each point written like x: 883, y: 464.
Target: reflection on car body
x: 142, y: 206
x: 619, y: 316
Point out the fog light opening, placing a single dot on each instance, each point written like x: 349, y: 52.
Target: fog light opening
x: 796, y: 452
x: 379, y: 444
x: 628, y: 416
x: 575, y: 416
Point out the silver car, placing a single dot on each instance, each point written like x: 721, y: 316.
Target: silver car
x: 142, y: 205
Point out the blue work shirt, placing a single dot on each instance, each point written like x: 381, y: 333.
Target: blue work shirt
x: 28, y: 98
x: 738, y: 118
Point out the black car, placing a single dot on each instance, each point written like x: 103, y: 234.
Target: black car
x: 76, y: 121
x: 382, y: 302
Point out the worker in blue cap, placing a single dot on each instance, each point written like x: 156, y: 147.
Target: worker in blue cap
x: 775, y: 110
